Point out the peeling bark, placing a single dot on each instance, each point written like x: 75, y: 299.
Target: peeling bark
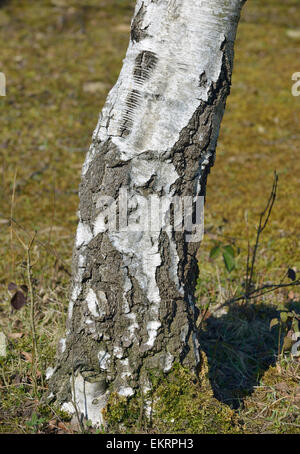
x: 132, y: 302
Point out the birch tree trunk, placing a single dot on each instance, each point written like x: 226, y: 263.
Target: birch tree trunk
x: 132, y: 302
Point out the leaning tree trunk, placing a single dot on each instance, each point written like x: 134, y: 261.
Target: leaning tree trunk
x: 132, y: 302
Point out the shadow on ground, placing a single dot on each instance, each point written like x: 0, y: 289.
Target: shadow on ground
x: 240, y: 347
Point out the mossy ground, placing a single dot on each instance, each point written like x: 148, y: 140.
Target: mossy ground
x: 179, y: 402
x: 60, y: 59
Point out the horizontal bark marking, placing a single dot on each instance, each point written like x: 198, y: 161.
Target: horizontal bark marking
x: 132, y: 102
x: 145, y: 63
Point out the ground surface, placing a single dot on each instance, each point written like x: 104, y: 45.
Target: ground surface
x: 60, y: 59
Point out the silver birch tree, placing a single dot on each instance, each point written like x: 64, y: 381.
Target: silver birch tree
x: 132, y: 305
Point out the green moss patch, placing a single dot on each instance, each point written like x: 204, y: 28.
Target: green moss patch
x: 180, y: 402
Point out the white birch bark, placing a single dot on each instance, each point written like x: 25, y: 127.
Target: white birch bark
x: 132, y: 299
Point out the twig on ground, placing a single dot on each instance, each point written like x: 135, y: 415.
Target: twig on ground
x: 11, y: 226
x: 35, y: 356
x: 255, y: 293
x: 266, y: 213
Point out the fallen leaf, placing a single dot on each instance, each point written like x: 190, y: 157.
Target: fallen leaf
x: 15, y: 335
x: 291, y: 274
x: 18, y: 58
x: 122, y: 28
x: 92, y: 87
x: 27, y: 356
x: 294, y: 34
x: 18, y: 300
x: 53, y: 422
x: 63, y: 427
x: 12, y: 286
x: 291, y: 295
